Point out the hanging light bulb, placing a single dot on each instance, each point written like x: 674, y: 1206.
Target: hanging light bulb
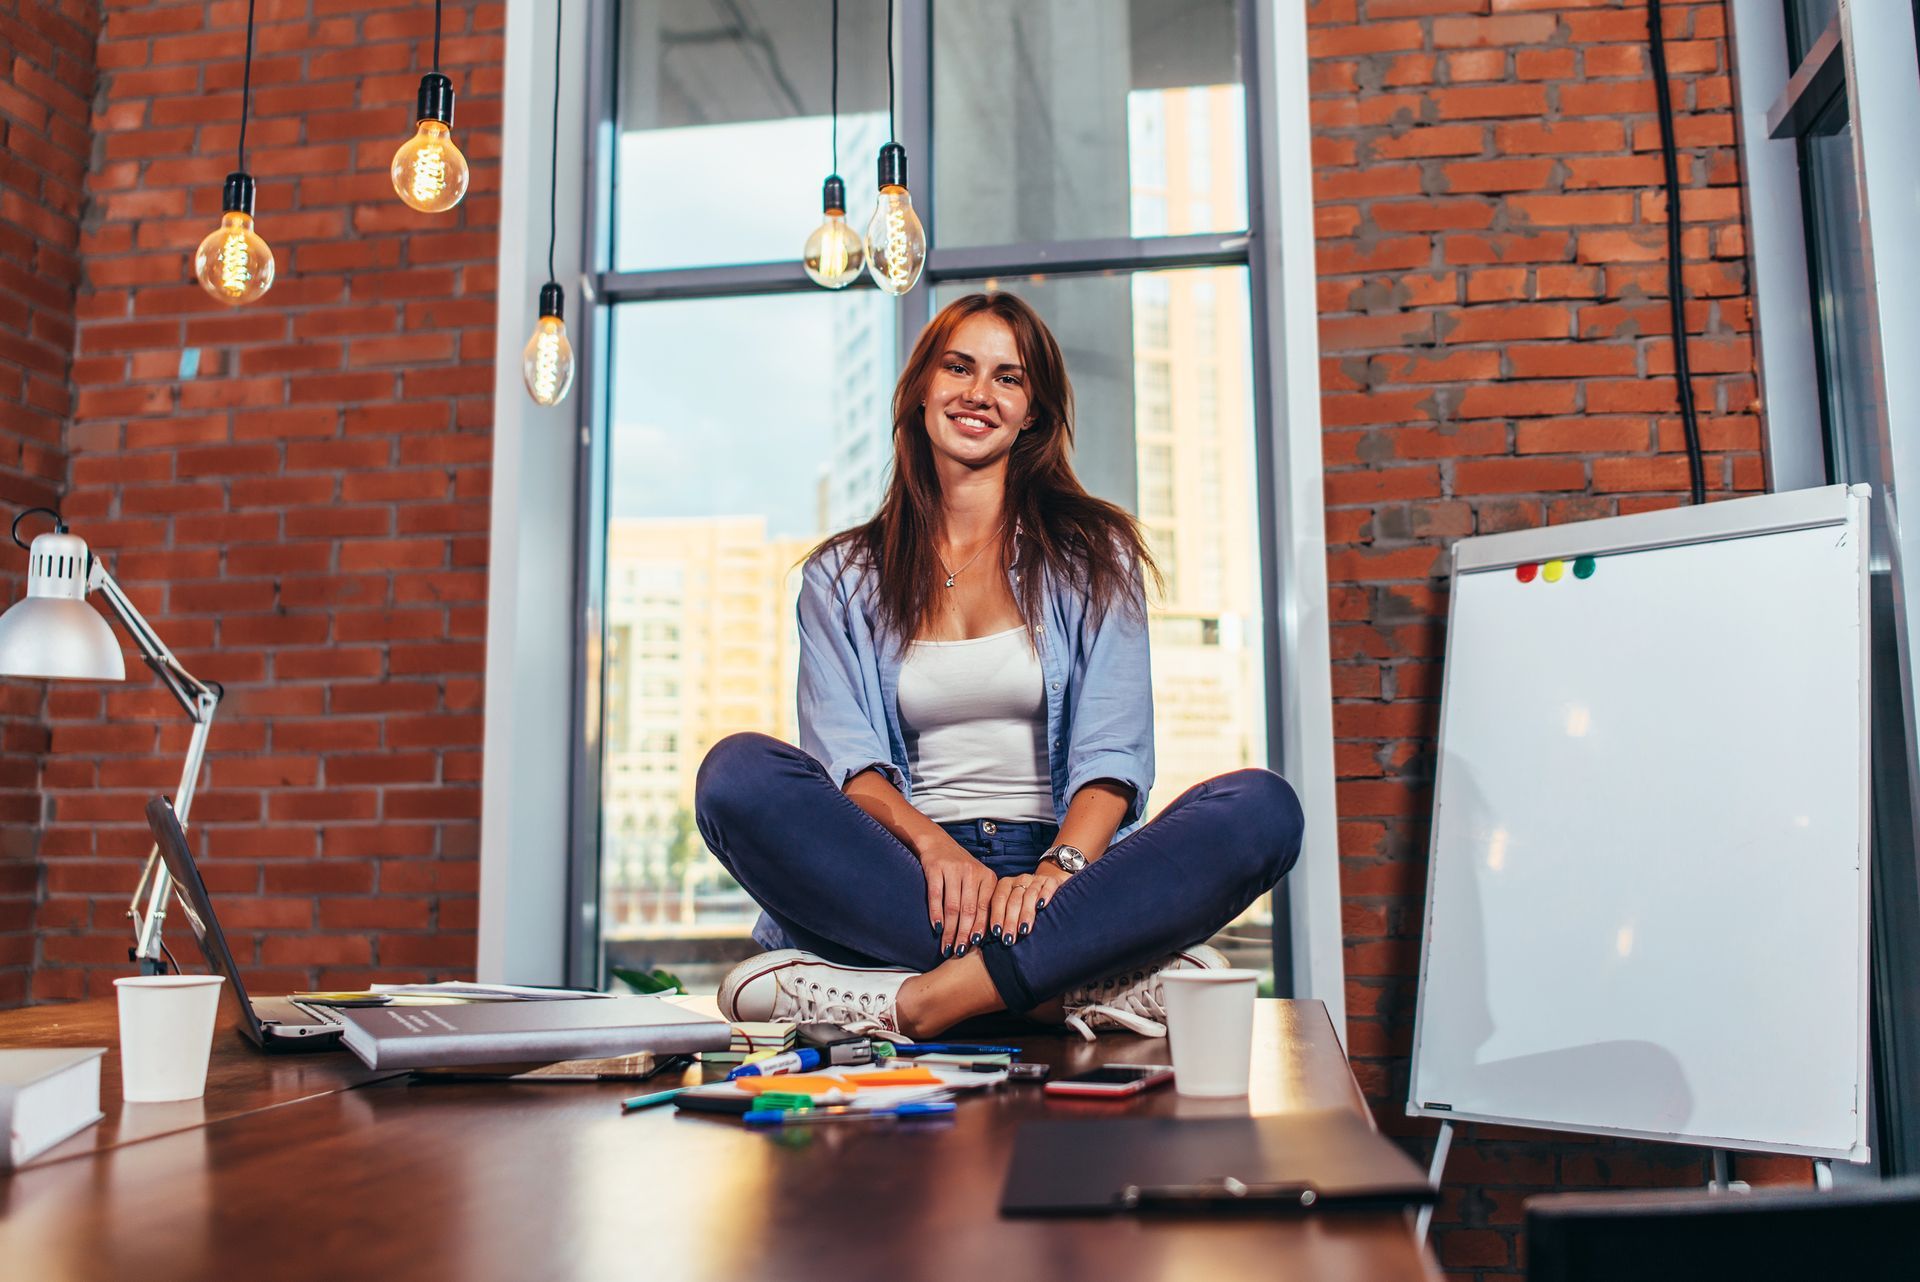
x: 835, y: 253
x: 429, y: 173
x: 547, y: 362
x: 233, y: 264
x: 896, y: 242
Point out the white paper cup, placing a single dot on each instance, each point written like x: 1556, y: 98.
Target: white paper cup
x: 1210, y: 1024
x: 166, y: 1034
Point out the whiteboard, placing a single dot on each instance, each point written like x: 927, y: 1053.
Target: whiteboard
x: 1647, y: 886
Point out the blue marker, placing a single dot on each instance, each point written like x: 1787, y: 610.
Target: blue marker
x: 791, y: 1062
x: 952, y: 1048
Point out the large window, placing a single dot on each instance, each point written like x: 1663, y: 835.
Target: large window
x: 1091, y: 158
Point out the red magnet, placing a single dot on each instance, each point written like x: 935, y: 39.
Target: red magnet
x: 1525, y: 573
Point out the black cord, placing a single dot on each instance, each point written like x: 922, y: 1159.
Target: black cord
x: 246, y: 91
x: 436, y: 35
x: 1676, y: 283
x: 553, y: 182
x: 59, y: 527
x: 890, y: 137
x: 835, y: 98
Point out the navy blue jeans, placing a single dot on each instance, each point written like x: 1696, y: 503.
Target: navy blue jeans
x: 842, y: 886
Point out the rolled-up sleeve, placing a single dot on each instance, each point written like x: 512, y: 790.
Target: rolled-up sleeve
x: 1112, y: 718
x: 838, y: 699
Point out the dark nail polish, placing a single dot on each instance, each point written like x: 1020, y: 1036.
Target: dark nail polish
x: 1025, y: 927
x: 1041, y: 904
x: 975, y: 941
x: 1008, y: 939
x: 947, y: 951
x: 996, y: 932
x: 936, y: 928
x: 961, y: 951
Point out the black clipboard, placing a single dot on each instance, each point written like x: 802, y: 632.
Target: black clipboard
x: 1265, y: 1165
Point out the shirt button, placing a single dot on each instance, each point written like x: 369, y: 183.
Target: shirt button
x: 989, y: 827
x: 1056, y: 685
x: 1039, y: 632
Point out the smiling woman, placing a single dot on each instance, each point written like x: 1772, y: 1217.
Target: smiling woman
x: 976, y: 747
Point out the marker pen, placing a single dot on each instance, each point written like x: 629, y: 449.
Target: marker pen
x: 791, y: 1062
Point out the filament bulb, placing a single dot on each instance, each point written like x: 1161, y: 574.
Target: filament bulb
x: 896, y: 242
x: 429, y: 173
x: 835, y: 253
x: 233, y: 264
x: 548, y: 361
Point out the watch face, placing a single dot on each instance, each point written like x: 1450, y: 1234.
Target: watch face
x: 1069, y: 859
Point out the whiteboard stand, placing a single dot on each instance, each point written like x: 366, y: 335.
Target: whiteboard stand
x: 1610, y: 748
x: 1822, y: 1174
x: 1439, y: 1165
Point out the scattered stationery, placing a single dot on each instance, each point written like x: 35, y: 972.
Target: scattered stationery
x: 46, y: 1096
x: 516, y: 1032
x: 832, y: 1086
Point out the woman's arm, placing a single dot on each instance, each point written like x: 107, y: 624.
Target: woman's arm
x: 1093, y: 816
x: 959, y: 887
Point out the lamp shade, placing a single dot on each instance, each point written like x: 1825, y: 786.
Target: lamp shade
x: 54, y: 632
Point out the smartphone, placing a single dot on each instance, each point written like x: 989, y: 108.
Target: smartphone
x: 1113, y: 1081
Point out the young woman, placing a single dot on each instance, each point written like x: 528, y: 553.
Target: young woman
x: 960, y: 830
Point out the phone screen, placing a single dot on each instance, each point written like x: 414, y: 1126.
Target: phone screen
x: 1116, y: 1074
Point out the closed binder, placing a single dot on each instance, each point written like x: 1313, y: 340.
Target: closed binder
x: 1272, y: 1165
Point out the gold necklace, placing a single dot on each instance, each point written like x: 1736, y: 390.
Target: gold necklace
x: 954, y: 574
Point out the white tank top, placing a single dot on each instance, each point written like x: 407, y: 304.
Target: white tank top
x: 975, y: 718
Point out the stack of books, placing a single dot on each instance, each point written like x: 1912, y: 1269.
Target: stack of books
x: 750, y: 1038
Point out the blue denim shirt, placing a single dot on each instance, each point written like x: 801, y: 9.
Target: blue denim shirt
x: 1099, y: 686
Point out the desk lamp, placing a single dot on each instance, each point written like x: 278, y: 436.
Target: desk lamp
x: 54, y: 633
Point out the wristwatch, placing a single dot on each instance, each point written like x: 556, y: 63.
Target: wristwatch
x: 1070, y: 858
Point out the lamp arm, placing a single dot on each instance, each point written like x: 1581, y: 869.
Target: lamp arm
x: 201, y: 701
x: 183, y: 685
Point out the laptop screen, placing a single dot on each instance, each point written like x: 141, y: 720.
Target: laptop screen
x: 193, y: 900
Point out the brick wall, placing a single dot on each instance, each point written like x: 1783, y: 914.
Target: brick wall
x: 1496, y: 353
x: 46, y: 82
x: 304, y: 516
x: 295, y: 494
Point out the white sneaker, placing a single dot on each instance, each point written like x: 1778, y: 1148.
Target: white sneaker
x: 1133, y: 1000
x: 790, y: 986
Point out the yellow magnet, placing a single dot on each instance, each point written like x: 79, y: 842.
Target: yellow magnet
x: 1552, y: 571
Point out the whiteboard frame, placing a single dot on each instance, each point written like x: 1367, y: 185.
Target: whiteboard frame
x: 1732, y: 519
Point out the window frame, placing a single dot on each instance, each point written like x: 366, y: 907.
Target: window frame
x: 1277, y: 251
x: 1874, y: 64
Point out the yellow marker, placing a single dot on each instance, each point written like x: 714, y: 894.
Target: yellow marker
x: 1552, y: 571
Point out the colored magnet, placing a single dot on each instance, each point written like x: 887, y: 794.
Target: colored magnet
x: 1583, y: 568
x: 1552, y: 571
x: 1525, y: 573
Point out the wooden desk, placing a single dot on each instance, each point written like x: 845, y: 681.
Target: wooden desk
x: 395, y: 1180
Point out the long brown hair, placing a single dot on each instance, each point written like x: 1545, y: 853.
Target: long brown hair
x: 1064, y: 532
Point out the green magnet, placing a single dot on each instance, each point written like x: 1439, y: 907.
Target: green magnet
x: 1583, y: 568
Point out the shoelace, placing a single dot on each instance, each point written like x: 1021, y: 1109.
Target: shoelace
x: 1128, y: 1000
x: 864, y: 1014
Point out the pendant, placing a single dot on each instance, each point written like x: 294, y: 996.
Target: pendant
x: 949, y: 580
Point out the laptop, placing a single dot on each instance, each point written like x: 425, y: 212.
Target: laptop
x: 272, y: 1023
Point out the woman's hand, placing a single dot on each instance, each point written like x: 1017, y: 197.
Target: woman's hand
x: 1017, y: 899
x: 959, y: 891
